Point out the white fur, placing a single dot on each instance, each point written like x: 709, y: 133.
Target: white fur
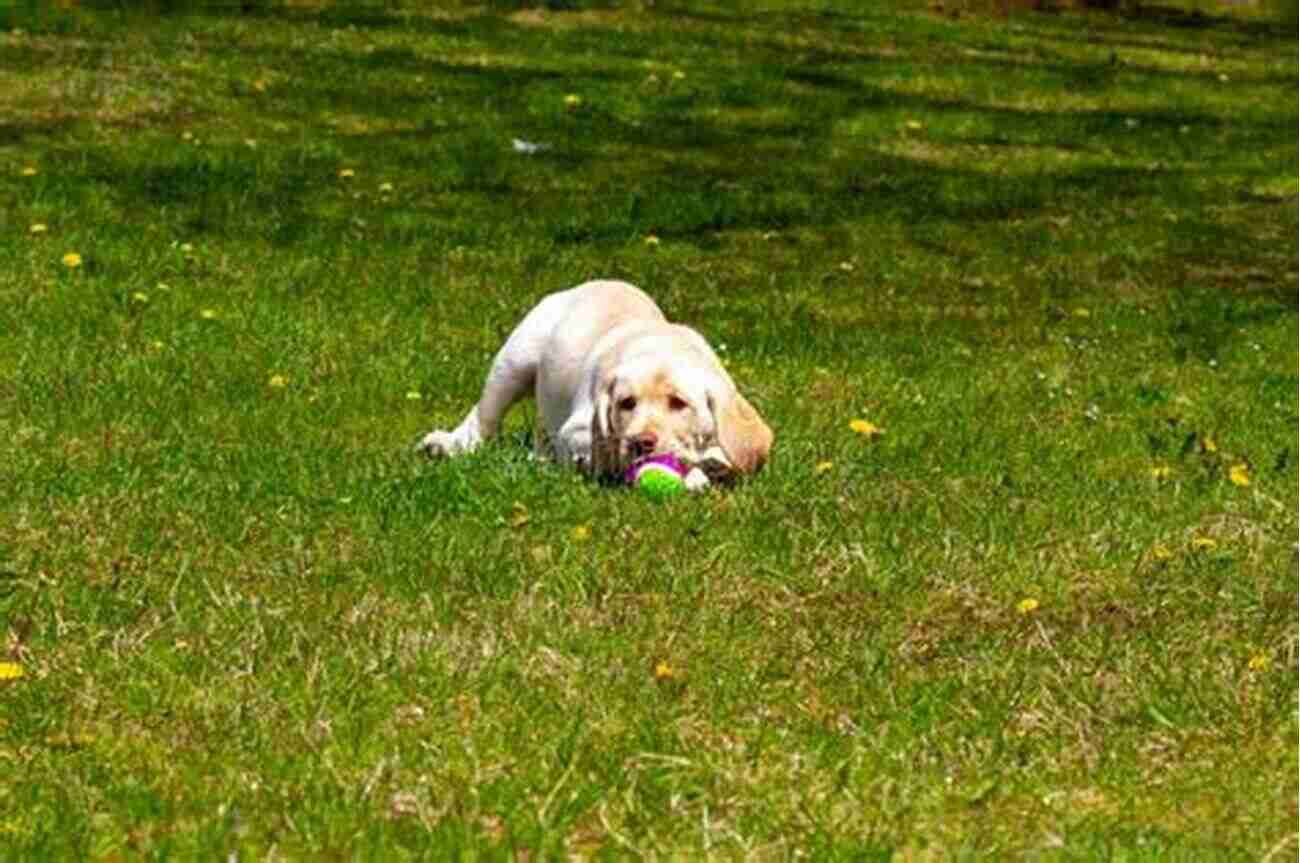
x: 587, y: 353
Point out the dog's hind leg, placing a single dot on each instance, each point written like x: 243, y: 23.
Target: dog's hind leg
x: 511, y: 377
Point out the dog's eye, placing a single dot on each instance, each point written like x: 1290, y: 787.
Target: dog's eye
x: 627, y: 404
x: 676, y: 404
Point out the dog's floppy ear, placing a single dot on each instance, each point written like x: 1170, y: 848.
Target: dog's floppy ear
x: 604, y: 442
x: 743, y: 435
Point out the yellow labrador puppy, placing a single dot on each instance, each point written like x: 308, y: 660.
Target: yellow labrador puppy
x: 615, y: 382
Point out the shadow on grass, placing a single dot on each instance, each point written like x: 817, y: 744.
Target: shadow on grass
x: 21, y: 131
x: 1156, y: 15
x: 698, y: 162
x: 1121, y: 19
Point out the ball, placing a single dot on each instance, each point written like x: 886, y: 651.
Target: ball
x: 659, y: 477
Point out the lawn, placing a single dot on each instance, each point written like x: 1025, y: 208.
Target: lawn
x: 1041, y: 603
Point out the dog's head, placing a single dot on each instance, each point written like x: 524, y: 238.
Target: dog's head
x: 650, y: 404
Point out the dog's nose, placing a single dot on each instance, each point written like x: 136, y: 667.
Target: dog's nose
x: 643, y: 444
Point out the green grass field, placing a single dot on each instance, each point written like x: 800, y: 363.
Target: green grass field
x: 247, y: 258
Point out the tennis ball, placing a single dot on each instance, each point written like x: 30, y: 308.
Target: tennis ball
x: 659, y: 477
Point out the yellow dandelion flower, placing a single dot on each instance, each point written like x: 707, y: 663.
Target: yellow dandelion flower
x: 866, y: 428
x: 38, y: 228
x: 651, y: 240
x: 664, y: 671
x: 1239, y: 474
x: 11, y: 671
x: 208, y: 314
x: 413, y: 395
x: 572, y: 100
x: 346, y: 174
x: 278, y: 382
x: 581, y: 533
x: 72, y: 260
x: 1161, y: 553
x: 140, y: 297
x: 29, y: 171
x: 518, y: 515
x: 1027, y: 606
x: 1203, y: 543
x: 261, y: 84
x: 1161, y: 472
x: 823, y: 466
x: 1259, y: 662
x: 1208, y: 445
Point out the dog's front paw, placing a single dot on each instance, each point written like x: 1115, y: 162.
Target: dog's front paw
x: 438, y: 444
x: 696, y: 480
x: 715, y: 465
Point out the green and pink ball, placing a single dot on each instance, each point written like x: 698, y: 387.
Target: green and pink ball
x: 660, y: 477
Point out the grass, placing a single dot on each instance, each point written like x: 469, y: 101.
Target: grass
x: 1050, y: 611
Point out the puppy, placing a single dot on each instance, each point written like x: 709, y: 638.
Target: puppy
x: 615, y: 382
